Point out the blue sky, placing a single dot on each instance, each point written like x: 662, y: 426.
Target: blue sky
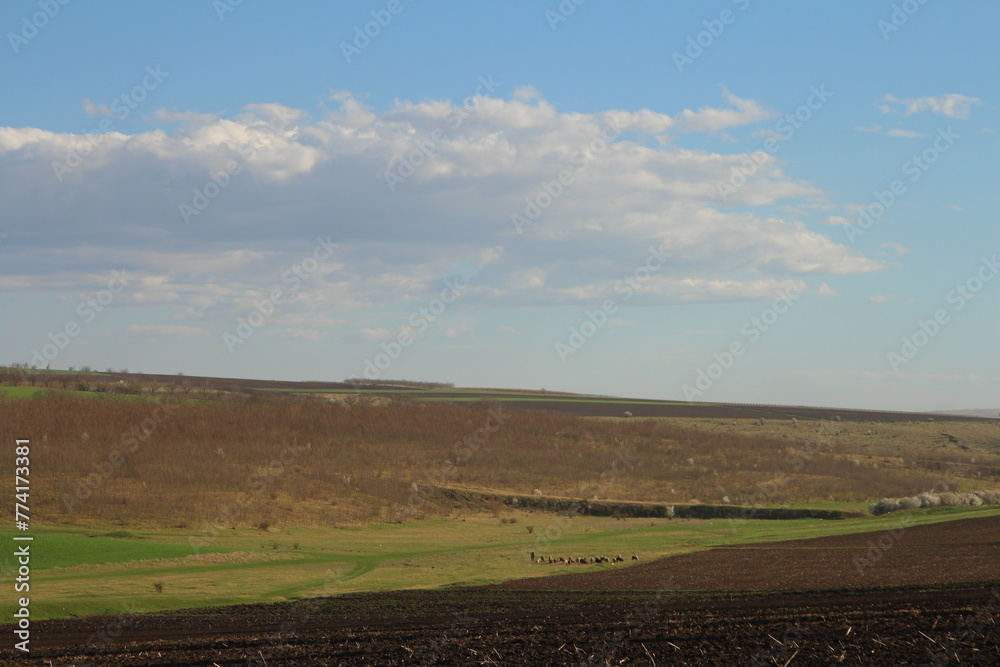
x: 510, y: 194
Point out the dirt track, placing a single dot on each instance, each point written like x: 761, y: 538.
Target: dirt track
x: 503, y: 625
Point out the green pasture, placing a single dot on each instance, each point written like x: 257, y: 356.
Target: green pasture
x: 21, y: 392
x: 32, y: 392
x: 82, y: 571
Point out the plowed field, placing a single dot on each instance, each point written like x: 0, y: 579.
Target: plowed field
x: 819, y: 606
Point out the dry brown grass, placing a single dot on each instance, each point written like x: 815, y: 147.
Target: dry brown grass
x: 281, y: 461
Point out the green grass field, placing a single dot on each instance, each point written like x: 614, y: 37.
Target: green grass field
x: 77, y: 571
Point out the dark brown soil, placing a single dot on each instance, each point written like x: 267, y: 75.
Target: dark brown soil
x: 951, y: 552
x: 600, y: 619
x: 728, y: 411
x: 492, y: 627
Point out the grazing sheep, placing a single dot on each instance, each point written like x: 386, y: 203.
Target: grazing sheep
x: 634, y: 557
x: 532, y: 555
x: 626, y: 414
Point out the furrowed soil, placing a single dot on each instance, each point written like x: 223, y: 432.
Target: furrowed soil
x: 960, y: 551
x: 921, y: 595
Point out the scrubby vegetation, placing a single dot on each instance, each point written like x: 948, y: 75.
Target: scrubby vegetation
x: 271, y: 461
x: 943, y: 499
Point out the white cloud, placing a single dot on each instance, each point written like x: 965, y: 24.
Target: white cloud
x: 881, y: 298
x: 873, y: 128
x: 303, y: 334
x: 898, y: 248
x: 906, y: 134
x: 152, y: 332
x: 301, y: 178
x: 951, y: 105
x: 165, y: 117
x: 706, y: 119
x: 526, y: 93
x: 838, y: 220
x: 376, y: 334
x: 96, y: 109
x: 825, y: 290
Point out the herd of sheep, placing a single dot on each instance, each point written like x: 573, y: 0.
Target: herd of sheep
x: 585, y: 560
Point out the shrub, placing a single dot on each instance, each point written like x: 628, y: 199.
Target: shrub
x: 989, y: 497
x: 944, y: 499
x: 884, y: 506
x: 929, y: 499
x: 951, y: 499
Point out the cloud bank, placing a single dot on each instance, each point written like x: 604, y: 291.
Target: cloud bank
x: 212, y: 213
